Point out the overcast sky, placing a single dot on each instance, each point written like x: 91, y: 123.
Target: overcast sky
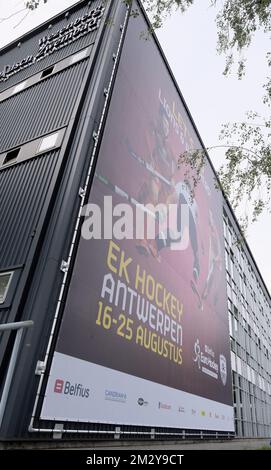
x: 189, y: 42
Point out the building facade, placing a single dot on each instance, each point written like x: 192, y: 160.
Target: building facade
x: 89, y: 110
x: 249, y: 325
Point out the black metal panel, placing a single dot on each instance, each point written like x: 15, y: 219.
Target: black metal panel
x: 30, y: 46
x: 4, y: 313
x: 40, y: 109
x: 4, y: 318
x: 23, y: 189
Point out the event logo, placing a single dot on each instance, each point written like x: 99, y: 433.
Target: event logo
x: 197, y: 353
x: 142, y: 402
x: 223, y: 368
x: 175, y: 118
x: 113, y: 395
x: 67, y: 388
x: 205, y: 359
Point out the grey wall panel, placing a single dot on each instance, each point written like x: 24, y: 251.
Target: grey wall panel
x: 30, y: 46
x: 40, y: 109
x: 23, y: 189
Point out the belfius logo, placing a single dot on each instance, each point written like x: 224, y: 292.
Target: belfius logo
x: 68, y: 388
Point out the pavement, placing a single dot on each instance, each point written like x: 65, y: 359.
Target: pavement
x: 232, y: 444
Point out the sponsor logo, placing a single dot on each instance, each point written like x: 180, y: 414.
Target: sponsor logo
x: 59, y: 384
x: 163, y: 406
x: 181, y: 409
x: 202, y: 413
x: 142, y: 402
x: 67, y: 388
x: 223, y: 368
x: 113, y: 395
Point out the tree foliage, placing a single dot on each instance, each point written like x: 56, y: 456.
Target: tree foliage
x: 246, y: 174
x: 29, y: 6
x: 33, y: 4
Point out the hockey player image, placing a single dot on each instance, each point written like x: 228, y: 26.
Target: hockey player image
x: 161, y: 188
x: 215, y: 260
x: 160, y: 164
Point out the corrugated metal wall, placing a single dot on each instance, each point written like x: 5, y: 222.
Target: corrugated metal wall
x: 30, y: 46
x: 23, y: 189
x: 41, y: 108
x: 32, y: 193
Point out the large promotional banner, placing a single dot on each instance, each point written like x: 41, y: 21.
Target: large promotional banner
x: 144, y: 338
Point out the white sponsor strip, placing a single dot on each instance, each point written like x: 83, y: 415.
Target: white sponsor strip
x: 144, y: 403
x: 209, y: 372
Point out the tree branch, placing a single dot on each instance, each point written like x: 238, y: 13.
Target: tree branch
x: 224, y: 146
x: 13, y: 14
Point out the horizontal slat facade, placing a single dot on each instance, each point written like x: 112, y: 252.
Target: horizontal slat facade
x: 41, y: 108
x: 23, y: 189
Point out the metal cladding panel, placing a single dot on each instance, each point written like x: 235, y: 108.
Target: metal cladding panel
x: 4, y: 314
x: 23, y: 189
x: 40, y: 109
x: 4, y: 318
x: 30, y: 46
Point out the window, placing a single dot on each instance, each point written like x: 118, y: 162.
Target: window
x: 230, y: 237
x: 230, y: 324
x: 231, y: 266
x: 5, y: 280
x: 11, y: 157
x: 79, y: 56
x: 48, y: 142
x: 19, y: 87
x: 227, y: 260
x: 47, y: 72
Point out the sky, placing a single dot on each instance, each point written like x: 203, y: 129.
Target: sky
x: 189, y: 43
